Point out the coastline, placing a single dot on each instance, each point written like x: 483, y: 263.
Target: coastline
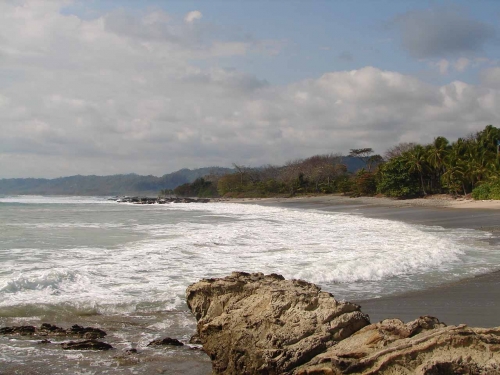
x: 472, y: 301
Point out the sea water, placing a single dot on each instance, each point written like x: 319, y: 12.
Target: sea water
x: 125, y: 268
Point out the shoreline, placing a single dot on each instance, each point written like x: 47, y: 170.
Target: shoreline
x: 473, y: 301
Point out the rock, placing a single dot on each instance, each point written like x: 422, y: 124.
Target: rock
x: 86, y: 332
x: 195, y: 339
x: 256, y: 324
x: 86, y: 345
x: 166, y: 341
x: 21, y: 330
x: 51, y: 330
x: 47, y: 329
x: 424, y: 346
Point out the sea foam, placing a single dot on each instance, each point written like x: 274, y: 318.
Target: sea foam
x: 177, y: 244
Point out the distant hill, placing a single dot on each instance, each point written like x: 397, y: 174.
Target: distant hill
x: 353, y: 164
x: 122, y: 184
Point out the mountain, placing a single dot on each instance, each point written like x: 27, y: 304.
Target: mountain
x: 122, y: 184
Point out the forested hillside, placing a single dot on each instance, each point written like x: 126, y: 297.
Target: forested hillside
x: 470, y: 165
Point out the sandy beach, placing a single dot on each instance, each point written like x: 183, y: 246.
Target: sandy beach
x: 475, y: 302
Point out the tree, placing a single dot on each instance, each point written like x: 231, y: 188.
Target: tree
x: 361, y: 153
x: 394, y: 179
x: 398, y: 150
x: 416, y: 162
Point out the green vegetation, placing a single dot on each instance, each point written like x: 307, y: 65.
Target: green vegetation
x: 469, y: 165
x: 487, y: 190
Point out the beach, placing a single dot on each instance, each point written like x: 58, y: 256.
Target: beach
x: 472, y: 301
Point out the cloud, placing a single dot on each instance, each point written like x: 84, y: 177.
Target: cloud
x: 192, y: 16
x: 491, y: 77
x: 442, y: 33
x: 95, y: 97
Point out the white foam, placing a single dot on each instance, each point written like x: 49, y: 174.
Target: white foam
x: 351, y: 256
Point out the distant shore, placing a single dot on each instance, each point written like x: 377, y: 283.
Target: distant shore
x: 473, y: 301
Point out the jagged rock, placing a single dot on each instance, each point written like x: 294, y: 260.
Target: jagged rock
x: 86, y: 345
x: 256, y: 324
x: 195, y: 339
x: 166, y: 341
x: 424, y: 346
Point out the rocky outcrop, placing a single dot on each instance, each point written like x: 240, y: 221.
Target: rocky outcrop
x: 257, y: 324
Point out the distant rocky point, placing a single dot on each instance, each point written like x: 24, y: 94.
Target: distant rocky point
x: 264, y: 324
x: 147, y: 200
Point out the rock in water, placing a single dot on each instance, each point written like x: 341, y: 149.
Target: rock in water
x: 256, y: 324
x: 86, y: 345
x: 167, y: 341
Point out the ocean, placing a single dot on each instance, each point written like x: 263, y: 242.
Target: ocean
x: 125, y: 268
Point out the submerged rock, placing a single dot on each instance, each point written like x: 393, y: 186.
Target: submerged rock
x: 167, y: 341
x: 86, y: 332
x: 256, y: 324
x: 20, y: 330
x: 86, y: 345
x: 47, y: 329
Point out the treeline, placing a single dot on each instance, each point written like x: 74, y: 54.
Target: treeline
x: 326, y: 174
x: 468, y: 165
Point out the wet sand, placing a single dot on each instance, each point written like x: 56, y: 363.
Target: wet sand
x: 475, y: 302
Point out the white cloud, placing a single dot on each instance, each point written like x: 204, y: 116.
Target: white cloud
x: 97, y: 97
x: 193, y: 16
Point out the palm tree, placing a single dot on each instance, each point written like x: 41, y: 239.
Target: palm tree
x: 417, y: 162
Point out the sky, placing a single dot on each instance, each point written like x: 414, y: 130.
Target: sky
x: 110, y: 87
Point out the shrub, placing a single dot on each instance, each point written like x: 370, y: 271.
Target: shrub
x: 487, y: 190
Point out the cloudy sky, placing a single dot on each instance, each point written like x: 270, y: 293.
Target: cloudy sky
x: 108, y: 87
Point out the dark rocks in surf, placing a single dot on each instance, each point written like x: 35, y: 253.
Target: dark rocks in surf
x: 146, y: 200
x: 51, y: 330
x: 20, y: 330
x: 167, y: 341
x: 86, y: 332
x: 86, y: 345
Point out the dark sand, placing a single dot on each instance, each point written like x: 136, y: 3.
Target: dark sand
x: 475, y: 302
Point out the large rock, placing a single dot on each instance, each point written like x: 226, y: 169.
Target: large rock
x: 256, y: 324
x: 424, y: 346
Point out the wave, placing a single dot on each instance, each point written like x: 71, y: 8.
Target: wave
x: 349, y: 255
